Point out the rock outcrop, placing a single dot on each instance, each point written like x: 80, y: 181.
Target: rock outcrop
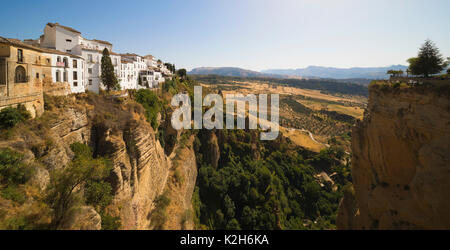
x: 401, y: 161
x: 116, y: 130
x: 83, y: 218
x: 181, y: 187
x: 139, y: 174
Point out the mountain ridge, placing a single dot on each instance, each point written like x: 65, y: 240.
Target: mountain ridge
x: 368, y: 73
x: 338, y: 73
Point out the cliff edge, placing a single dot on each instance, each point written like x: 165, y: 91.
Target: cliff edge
x: 401, y: 160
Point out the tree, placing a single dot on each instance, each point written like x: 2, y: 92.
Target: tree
x: 182, y: 73
x: 448, y: 62
x: 10, y: 116
x: 170, y: 67
x: 151, y: 104
x: 429, y: 60
x: 395, y: 73
x: 108, y: 76
x: 64, y: 190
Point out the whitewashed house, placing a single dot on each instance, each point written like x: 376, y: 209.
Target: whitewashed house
x: 93, y: 60
x: 66, y: 39
x: 131, y: 70
x: 131, y: 66
x: 67, y: 68
x: 151, y: 61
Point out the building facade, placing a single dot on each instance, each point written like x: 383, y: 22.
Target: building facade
x: 23, y: 69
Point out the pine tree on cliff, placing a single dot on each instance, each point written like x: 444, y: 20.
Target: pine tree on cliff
x: 429, y: 60
x: 108, y: 76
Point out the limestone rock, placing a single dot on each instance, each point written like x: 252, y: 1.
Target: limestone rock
x: 401, y: 162
x: 83, y: 218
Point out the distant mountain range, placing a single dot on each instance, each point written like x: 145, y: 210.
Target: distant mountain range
x: 309, y: 72
x: 227, y: 71
x: 337, y: 73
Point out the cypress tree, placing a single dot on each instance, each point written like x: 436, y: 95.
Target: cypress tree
x: 108, y: 76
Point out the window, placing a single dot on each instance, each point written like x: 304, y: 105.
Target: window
x: 68, y: 50
x: 90, y: 70
x: 75, y: 64
x: 20, y: 55
x: 37, y: 75
x: 65, y: 76
x: 75, y: 84
x: 68, y: 40
x: 48, y: 60
x: 66, y: 62
x: 43, y: 76
x: 75, y: 75
x: 57, y: 76
x: 90, y: 81
x: 58, y: 59
x: 20, y: 74
x: 89, y: 57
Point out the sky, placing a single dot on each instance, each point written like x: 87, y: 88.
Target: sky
x: 251, y: 34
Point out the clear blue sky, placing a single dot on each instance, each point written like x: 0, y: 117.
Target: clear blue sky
x: 252, y: 34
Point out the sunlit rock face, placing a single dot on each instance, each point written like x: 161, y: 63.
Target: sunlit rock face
x: 401, y: 162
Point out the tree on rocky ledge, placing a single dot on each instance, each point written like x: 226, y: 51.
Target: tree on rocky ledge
x: 429, y: 60
x: 108, y: 76
x: 182, y: 73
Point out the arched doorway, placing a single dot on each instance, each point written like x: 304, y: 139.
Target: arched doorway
x: 20, y: 74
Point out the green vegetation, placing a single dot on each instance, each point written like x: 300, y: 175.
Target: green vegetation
x: 65, y: 189
x: 266, y: 185
x: 13, y: 171
x: 429, y: 61
x: 182, y: 73
x: 159, y: 215
x: 13, y: 174
x: 10, y: 116
x: 110, y: 222
x: 395, y: 73
x: 108, y: 77
x: 149, y: 100
x: 170, y: 67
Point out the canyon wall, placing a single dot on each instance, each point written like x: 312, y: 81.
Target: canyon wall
x: 119, y: 131
x: 401, y: 161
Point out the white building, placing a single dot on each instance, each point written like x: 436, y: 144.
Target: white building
x: 93, y: 60
x: 151, y: 61
x: 66, y: 39
x: 131, y: 66
x: 67, y: 68
x: 127, y: 67
x: 151, y: 78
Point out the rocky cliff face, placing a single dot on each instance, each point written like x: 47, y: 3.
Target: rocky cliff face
x: 141, y: 170
x: 139, y: 174
x: 401, y: 161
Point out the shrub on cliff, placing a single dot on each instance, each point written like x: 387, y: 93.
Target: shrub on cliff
x: 65, y: 189
x: 12, y: 169
x: 151, y: 104
x: 10, y: 116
